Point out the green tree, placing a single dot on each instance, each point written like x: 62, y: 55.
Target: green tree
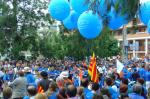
x: 71, y: 43
x: 19, y: 25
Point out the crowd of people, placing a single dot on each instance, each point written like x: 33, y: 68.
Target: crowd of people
x: 69, y: 79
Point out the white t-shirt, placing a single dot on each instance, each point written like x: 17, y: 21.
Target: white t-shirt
x: 114, y: 87
x: 1, y: 74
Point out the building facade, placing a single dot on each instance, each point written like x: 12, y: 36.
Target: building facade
x: 138, y: 40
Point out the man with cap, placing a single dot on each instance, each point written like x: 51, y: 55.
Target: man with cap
x: 65, y: 75
x: 29, y: 76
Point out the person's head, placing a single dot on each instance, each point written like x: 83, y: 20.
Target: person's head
x: 71, y: 91
x: 137, y: 88
x: 44, y: 74
x: 85, y: 82
x: 117, y: 76
x: 7, y: 93
x: 2, y: 69
x: 32, y: 90
x: 108, y: 81
x: 21, y: 73
x: 143, y: 65
x: 41, y: 96
x: 97, y: 96
x: 52, y: 86
x: 95, y: 86
x: 123, y: 88
x: 60, y: 82
x: 124, y: 96
x: 62, y: 93
x: 140, y: 81
x: 113, y: 77
x: 135, y: 76
x: 124, y: 81
x: 80, y: 91
x: 105, y: 92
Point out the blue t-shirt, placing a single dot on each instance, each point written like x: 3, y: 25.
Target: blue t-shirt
x: 89, y: 95
x: 30, y: 78
x: 147, y: 76
x: 142, y: 72
x: 113, y: 93
x: 53, y: 96
x: 135, y: 96
x: 86, y: 91
x: 125, y: 72
x: 6, y: 77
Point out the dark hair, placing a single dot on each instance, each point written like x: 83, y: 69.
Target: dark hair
x: 124, y: 95
x: 123, y: 88
x: 106, y: 92
x: 71, y: 91
x: 7, y: 92
x: 62, y: 93
x: 113, y: 77
x: 141, y: 81
x: 95, y: 86
x: 96, y: 96
x: 32, y: 90
x: 53, y: 86
x: 80, y: 92
x: 124, y: 81
x: 109, y: 81
x: 84, y: 82
x: 44, y: 74
x: 143, y: 65
x: 135, y: 76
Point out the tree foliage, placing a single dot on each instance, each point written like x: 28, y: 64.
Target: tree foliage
x: 19, y: 23
x: 72, y: 44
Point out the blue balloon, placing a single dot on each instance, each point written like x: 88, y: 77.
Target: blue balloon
x: 102, y: 8
x: 90, y: 25
x: 116, y: 20
x: 79, y: 5
x: 144, y: 12
x: 71, y: 21
x: 59, y: 9
x: 148, y: 27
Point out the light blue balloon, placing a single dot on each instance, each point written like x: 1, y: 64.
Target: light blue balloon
x: 144, y: 12
x: 71, y: 21
x: 59, y: 9
x: 90, y: 25
x: 148, y: 27
x: 116, y: 20
x: 79, y: 5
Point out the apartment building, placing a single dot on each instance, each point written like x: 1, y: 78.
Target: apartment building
x: 138, y: 40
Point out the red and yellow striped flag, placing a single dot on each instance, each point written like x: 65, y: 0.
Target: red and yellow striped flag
x: 80, y: 74
x: 40, y: 89
x: 92, y: 69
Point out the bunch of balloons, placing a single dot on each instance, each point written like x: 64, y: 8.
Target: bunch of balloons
x: 144, y: 14
x: 75, y: 14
